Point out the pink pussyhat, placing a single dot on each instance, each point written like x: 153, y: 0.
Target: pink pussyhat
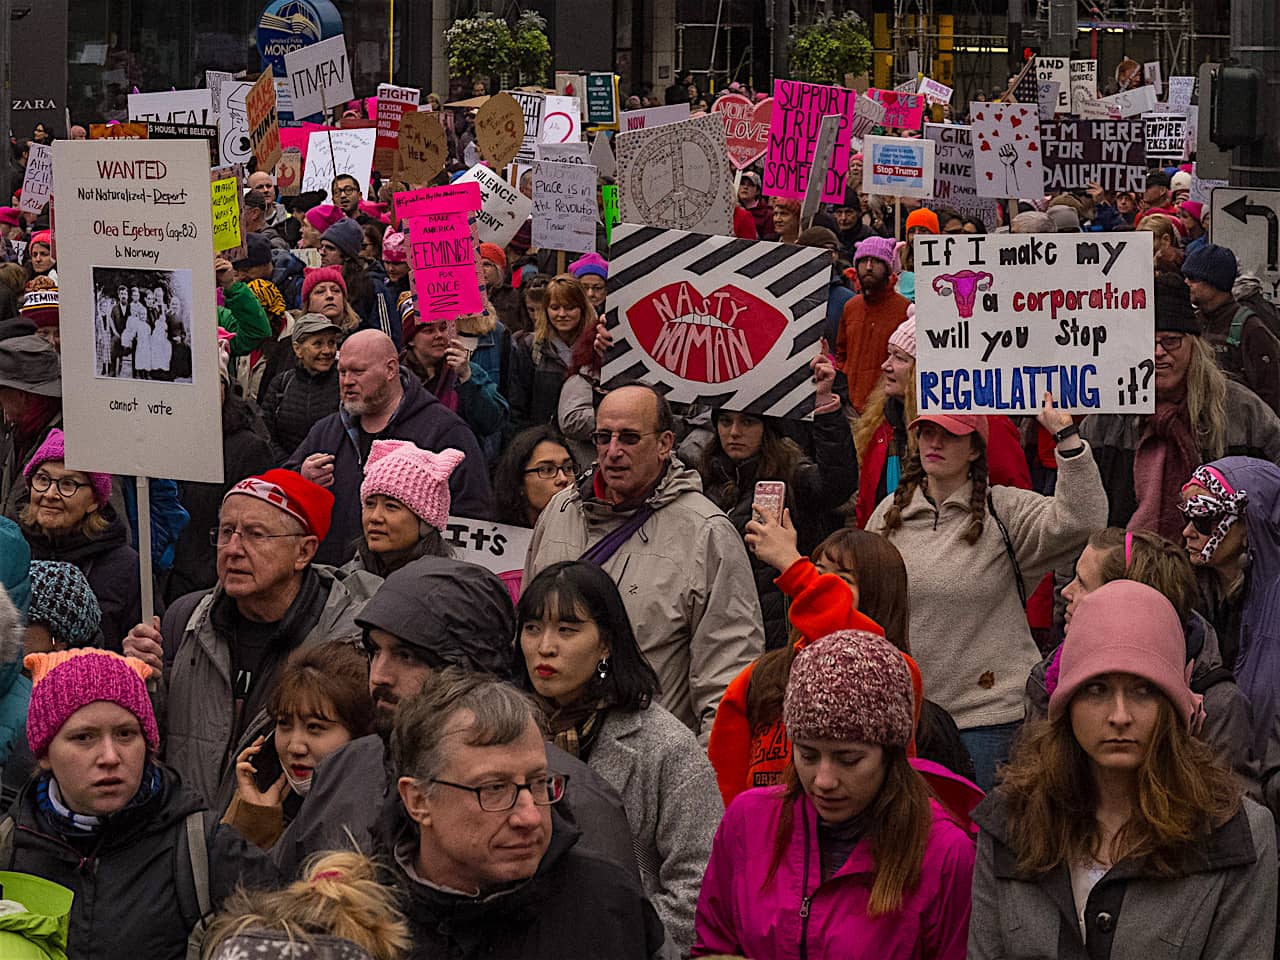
x: 417, y: 478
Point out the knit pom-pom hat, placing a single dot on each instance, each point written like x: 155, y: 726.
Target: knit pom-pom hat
x: 904, y: 338
x: 417, y: 478
x: 317, y: 275
x: 64, y: 682
x: 53, y: 449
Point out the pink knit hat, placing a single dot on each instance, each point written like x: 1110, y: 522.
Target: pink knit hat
x: 53, y: 449
x: 395, y: 246
x: 1125, y: 627
x: 66, y: 681
x: 904, y: 338
x: 417, y: 478
x: 324, y: 216
x: 315, y: 275
x: 883, y: 249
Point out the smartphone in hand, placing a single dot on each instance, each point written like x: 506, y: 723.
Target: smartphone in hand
x: 769, y: 498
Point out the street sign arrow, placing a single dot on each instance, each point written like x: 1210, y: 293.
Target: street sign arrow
x: 1242, y: 210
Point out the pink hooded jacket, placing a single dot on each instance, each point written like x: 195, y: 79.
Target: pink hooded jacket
x: 738, y: 913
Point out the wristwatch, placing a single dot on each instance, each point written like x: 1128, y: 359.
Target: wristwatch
x: 1070, y: 430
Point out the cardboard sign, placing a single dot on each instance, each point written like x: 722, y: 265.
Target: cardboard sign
x: 740, y: 335
x: 37, y: 183
x: 935, y: 92
x: 531, y: 107
x: 442, y: 258
x: 1130, y: 103
x: 503, y: 210
x: 226, y: 205
x: 498, y: 547
x: 602, y: 101
x: 794, y: 124
x: 611, y: 212
x: 1084, y: 83
x: 173, y: 106
x: 1003, y: 318
x: 140, y: 386
x: 422, y: 148
x: 867, y: 114
x: 117, y: 131
x: 899, y: 166
x: 902, y: 111
x: 289, y: 172
x: 393, y: 103
x: 564, y: 206
x: 746, y: 127
x: 499, y: 130
x: 1006, y: 150
x: 352, y: 153
x: 433, y: 201
x: 575, y: 152
x: 1056, y: 70
x: 561, y: 120
x: 677, y: 176
x: 1166, y: 135
x: 653, y: 116
x: 601, y: 156
x: 1181, y: 90
x: 1111, y: 153
x: 953, y: 184
x: 264, y: 122
x: 319, y: 76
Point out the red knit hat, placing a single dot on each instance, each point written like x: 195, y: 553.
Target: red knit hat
x: 316, y: 275
x: 308, y: 503
x: 493, y: 253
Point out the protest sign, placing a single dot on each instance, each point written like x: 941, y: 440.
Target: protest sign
x: 902, y: 111
x: 503, y: 208
x: 1003, y: 318
x: 264, y: 122
x: 173, y: 106
x: 561, y: 120
x: 442, y: 258
x: 953, y: 184
x: 602, y: 101
x: 867, y: 113
x: 37, y: 183
x: 653, y: 116
x: 214, y: 79
x: 576, y: 151
x: 1111, y: 153
x: 798, y: 109
x: 1006, y: 150
x: 226, y: 214
x: 1166, y: 135
x: 746, y: 127
x: 1056, y: 70
x: 289, y: 172
x: 1047, y: 93
x: 498, y: 547
x: 531, y: 107
x: 1084, y: 83
x: 140, y: 386
x: 186, y: 131
x: 1130, y: 103
x: 716, y: 320
x: 319, y: 76
x: 117, y: 131
x: 899, y: 166
x: 601, y: 156
x: 1202, y: 190
x: 1151, y: 74
x: 499, y: 129
x: 352, y: 152
x: 564, y: 206
x: 612, y: 213
x: 234, y: 145
x: 677, y: 176
x: 393, y: 103
x: 818, y: 173
x: 422, y: 147
x: 934, y: 92
x: 1181, y: 90
x: 310, y: 256
x: 430, y: 201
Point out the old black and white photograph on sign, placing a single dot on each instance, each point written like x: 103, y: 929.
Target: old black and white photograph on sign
x: 142, y: 324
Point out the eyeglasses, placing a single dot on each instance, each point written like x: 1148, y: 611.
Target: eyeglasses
x: 221, y: 536
x: 66, y: 486
x: 1170, y: 342
x: 347, y: 189
x: 1203, y: 513
x: 549, y: 471
x: 628, y: 438
x: 497, y: 797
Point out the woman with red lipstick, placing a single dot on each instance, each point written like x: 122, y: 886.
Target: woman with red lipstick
x: 596, y: 688
x: 1114, y: 832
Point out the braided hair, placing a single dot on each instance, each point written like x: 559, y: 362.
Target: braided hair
x: 913, y: 476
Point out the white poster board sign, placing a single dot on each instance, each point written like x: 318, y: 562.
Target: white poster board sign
x: 498, y: 547
x: 1166, y: 135
x: 1003, y: 318
x: 1056, y: 70
x: 601, y: 156
x: 173, y: 106
x: 1084, y: 83
x: 1006, y: 150
x: 1130, y: 103
x: 564, y: 206
x: 934, y: 92
x: 953, y: 184
x: 1181, y: 90
x: 37, y: 183
x: 503, y: 210
x: 575, y: 151
x: 352, y: 153
x: 740, y: 336
x: 677, y: 176
x: 140, y: 387
x: 531, y: 106
x: 898, y: 166
x: 561, y: 120
x: 234, y: 145
x: 319, y: 76
x: 653, y: 116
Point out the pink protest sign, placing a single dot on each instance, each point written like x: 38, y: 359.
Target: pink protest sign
x: 746, y: 127
x: 426, y: 201
x: 902, y: 111
x: 442, y: 257
x: 390, y: 103
x: 796, y: 118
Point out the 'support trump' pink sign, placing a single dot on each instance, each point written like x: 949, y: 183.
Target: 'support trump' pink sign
x: 798, y: 109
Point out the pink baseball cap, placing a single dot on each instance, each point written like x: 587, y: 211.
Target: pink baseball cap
x: 958, y: 424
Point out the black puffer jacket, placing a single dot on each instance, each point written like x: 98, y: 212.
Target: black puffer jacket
x: 134, y: 892
x: 293, y: 402
x: 537, y: 376
x: 110, y: 565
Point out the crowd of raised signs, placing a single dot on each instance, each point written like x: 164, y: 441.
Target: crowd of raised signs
x: 476, y: 652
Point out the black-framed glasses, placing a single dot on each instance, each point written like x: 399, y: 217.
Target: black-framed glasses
x: 499, y: 797
x: 628, y: 438
x: 1170, y: 342
x: 67, y: 487
x: 549, y: 471
x: 221, y: 536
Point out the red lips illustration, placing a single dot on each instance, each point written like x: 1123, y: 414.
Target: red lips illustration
x: 712, y: 338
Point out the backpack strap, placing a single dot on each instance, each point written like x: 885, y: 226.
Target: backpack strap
x: 197, y: 858
x: 1008, y: 549
x: 7, y: 826
x: 1242, y: 314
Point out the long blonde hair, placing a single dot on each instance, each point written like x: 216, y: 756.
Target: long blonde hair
x: 873, y: 414
x: 1207, y: 401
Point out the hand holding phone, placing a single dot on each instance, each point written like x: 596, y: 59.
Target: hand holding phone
x: 770, y: 496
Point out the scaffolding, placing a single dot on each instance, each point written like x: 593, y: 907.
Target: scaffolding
x: 1171, y: 24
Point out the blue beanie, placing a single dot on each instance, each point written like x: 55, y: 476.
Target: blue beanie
x: 15, y: 565
x: 1213, y: 264
x: 63, y: 601
x: 347, y: 236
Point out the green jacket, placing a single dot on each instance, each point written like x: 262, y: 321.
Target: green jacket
x: 243, y: 315
x: 40, y: 932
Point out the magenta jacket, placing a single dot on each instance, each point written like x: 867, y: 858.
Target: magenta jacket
x: 795, y: 918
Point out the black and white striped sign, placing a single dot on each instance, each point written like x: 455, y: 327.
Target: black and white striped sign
x: 716, y: 320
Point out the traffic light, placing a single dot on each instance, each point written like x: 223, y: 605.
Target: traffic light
x: 1236, y: 107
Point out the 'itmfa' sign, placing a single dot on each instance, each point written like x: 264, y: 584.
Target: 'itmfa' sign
x: 319, y: 76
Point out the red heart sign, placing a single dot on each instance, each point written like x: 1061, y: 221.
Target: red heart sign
x: 985, y: 145
x: 746, y: 127
x: 706, y: 339
x: 1015, y: 121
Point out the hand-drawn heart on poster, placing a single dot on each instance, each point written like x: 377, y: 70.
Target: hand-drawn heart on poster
x: 716, y: 320
x: 677, y: 176
x: 1006, y: 150
x: 746, y: 127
